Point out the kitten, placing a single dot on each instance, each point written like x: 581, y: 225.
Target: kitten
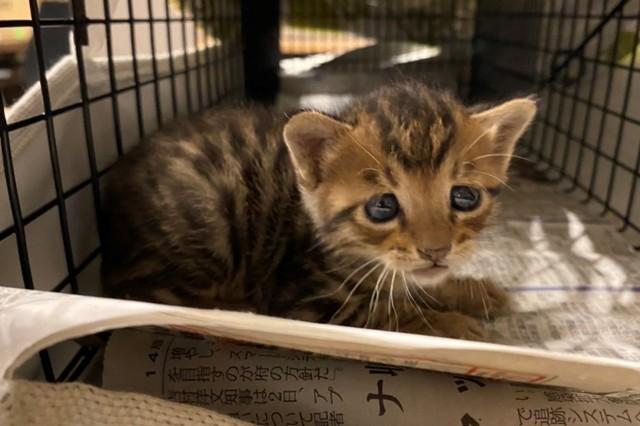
x: 353, y: 220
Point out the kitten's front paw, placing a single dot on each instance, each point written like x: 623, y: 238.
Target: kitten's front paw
x: 481, y: 298
x: 459, y: 326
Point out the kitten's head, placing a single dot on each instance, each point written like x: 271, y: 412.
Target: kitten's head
x: 406, y: 175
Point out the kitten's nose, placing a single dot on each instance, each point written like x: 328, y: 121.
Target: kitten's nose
x: 435, y: 254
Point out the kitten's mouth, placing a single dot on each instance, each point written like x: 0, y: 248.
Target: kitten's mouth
x: 430, y: 271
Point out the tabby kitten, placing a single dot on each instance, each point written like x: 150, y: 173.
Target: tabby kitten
x: 353, y: 220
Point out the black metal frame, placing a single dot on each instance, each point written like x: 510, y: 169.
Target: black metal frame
x: 222, y: 80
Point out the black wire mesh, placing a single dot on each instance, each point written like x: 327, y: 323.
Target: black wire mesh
x: 202, y: 49
x: 582, y: 59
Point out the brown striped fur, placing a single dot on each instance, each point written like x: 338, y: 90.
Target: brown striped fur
x: 241, y: 208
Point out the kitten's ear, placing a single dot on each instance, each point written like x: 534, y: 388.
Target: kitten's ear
x: 310, y: 136
x: 504, y: 125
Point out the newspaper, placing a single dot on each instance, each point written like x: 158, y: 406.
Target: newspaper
x: 269, y: 386
x: 31, y: 321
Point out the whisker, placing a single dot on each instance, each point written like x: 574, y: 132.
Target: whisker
x: 365, y: 149
x: 415, y: 306
x: 316, y: 245
x: 411, y: 298
x: 334, y: 246
x: 369, y: 169
x: 393, y: 306
x: 366, y: 324
x: 378, y: 291
x: 422, y: 291
x: 482, y: 298
x: 373, y: 293
x: 355, y: 271
x: 425, y: 292
x: 404, y: 279
x: 393, y: 277
x: 482, y: 186
x: 338, y: 268
x: 389, y: 312
x: 476, y: 140
x: 501, y: 155
x: 490, y: 175
x: 353, y: 290
x: 421, y: 299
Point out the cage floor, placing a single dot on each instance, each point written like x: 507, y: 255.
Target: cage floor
x: 572, y: 277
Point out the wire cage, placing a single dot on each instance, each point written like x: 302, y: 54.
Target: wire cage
x: 130, y: 67
x: 582, y: 59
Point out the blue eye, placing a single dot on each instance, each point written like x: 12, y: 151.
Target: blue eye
x: 382, y: 208
x: 464, y: 198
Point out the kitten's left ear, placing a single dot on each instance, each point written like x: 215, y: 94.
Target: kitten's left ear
x: 504, y: 125
x: 310, y: 137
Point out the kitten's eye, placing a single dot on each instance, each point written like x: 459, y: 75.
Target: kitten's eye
x: 382, y: 208
x: 464, y: 198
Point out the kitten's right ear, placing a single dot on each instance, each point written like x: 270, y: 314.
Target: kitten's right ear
x: 504, y: 125
x: 310, y: 136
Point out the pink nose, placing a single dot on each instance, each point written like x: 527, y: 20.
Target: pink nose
x: 435, y: 254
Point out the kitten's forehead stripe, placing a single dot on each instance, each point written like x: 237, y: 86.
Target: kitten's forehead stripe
x: 389, y: 175
x: 447, y: 124
x: 416, y: 126
x: 371, y: 176
x: 455, y: 170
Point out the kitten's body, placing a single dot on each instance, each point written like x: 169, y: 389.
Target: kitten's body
x: 206, y: 214
x: 220, y: 212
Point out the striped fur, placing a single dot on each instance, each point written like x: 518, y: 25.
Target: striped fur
x: 239, y: 208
